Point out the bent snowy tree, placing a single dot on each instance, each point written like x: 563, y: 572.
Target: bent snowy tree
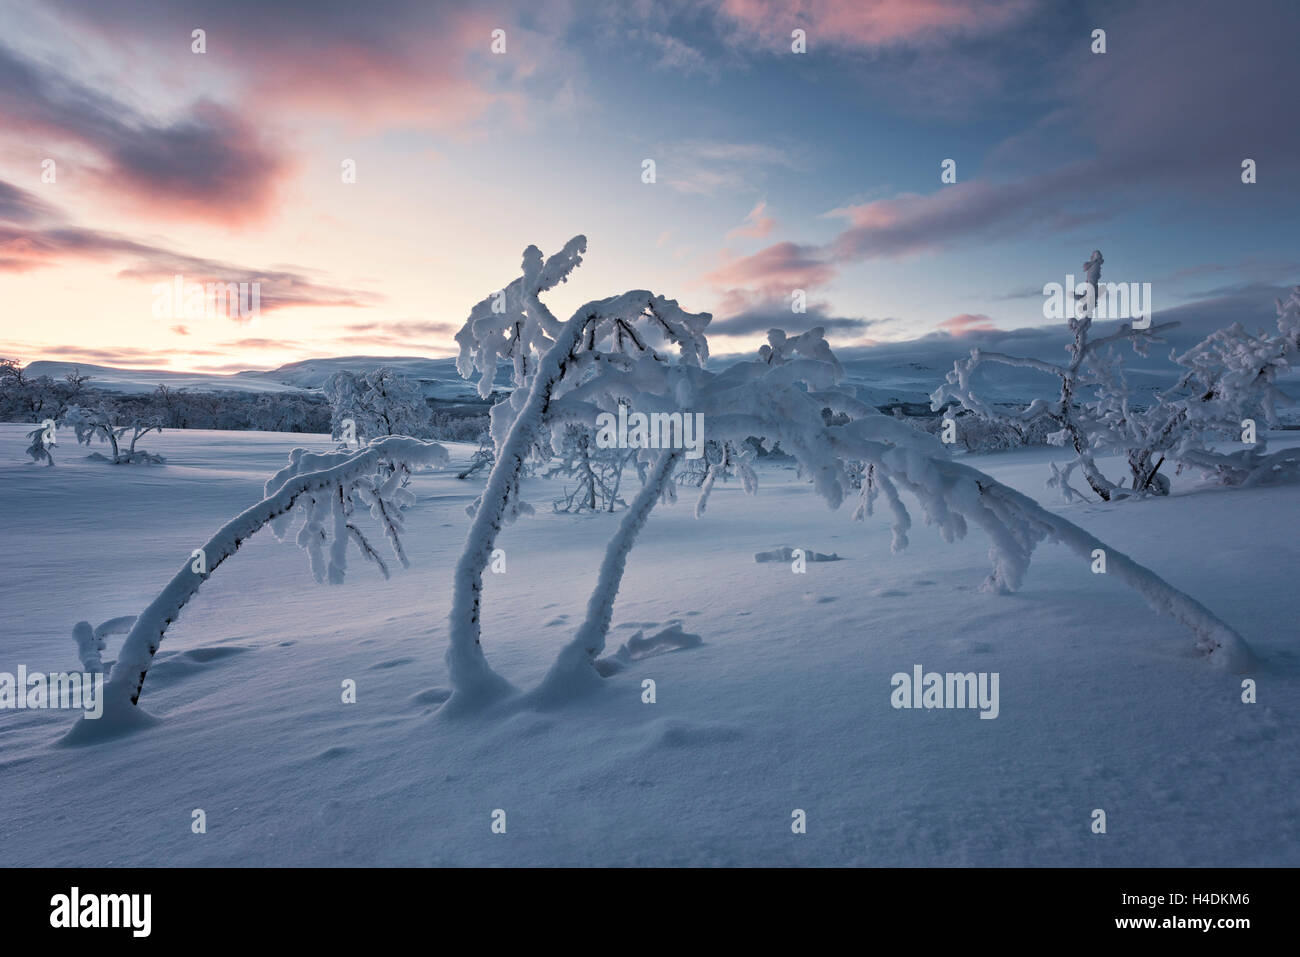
x: 611, y: 354
x: 548, y: 357
x: 781, y: 398
x: 105, y: 424
x: 328, y: 489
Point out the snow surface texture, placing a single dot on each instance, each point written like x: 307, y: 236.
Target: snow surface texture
x: 784, y: 705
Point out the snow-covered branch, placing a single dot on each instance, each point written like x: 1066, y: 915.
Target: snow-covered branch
x: 310, y: 479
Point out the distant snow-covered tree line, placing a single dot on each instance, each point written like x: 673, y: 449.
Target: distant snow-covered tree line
x: 25, y: 398
x: 40, y: 399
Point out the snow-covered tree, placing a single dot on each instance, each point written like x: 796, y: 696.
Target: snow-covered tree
x: 107, y: 424
x: 378, y: 403
x: 780, y: 397
x: 1091, y: 428
x: 609, y: 354
x: 549, y: 357
x: 329, y: 491
x: 1228, y: 378
x: 25, y: 398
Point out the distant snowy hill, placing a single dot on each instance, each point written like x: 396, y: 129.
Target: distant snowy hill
x: 881, y: 378
x: 146, y: 380
x: 438, y: 377
x: 882, y: 375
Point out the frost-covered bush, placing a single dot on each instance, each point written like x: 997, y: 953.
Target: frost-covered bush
x: 594, y: 474
x: 41, y: 442
x: 1076, y: 423
x: 1230, y: 383
x: 377, y: 403
x: 1228, y: 378
x: 482, y: 458
x: 105, y: 423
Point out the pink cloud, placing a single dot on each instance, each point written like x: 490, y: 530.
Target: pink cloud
x: 968, y: 322
x: 775, y: 270
x: 912, y: 223
x: 408, y: 64
x: 47, y: 239
x: 373, y: 84
x: 756, y: 225
x: 211, y: 164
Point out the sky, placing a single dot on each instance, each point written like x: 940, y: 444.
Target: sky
x: 128, y: 158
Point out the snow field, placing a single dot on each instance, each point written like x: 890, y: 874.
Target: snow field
x: 784, y: 705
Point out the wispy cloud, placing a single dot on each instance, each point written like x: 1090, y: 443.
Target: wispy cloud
x: 29, y: 246
x: 708, y: 167
x: 743, y: 314
x: 757, y: 224
x: 867, y: 24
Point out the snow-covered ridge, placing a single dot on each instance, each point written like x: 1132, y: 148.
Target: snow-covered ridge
x: 437, y: 377
x: 882, y: 375
x: 892, y: 376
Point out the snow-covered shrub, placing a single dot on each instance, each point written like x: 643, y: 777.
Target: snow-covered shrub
x: 378, y: 403
x: 41, y: 443
x: 330, y: 491
x: 1105, y: 425
x: 105, y: 423
x: 596, y: 473
x: 722, y: 460
x: 1230, y: 376
x: 482, y: 458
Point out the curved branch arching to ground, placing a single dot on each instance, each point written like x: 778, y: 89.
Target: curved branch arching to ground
x: 1010, y: 517
x: 126, y: 681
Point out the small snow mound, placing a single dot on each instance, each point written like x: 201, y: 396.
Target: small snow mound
x: 120, y: 718
x: 638, y: 646
x: 174, y: 665
x: 680, y: 733
x: 785, y: 553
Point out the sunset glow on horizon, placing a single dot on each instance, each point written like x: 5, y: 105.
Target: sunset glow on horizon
x: 128, y: 159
